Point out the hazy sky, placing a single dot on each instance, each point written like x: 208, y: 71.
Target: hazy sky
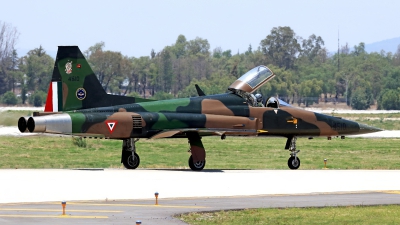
x: 135, y: 27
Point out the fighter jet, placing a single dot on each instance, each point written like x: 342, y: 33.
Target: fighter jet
x: 78, y: 105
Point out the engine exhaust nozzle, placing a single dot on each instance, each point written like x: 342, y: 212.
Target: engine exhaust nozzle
x: 22, y: 124
x: 56, y: 124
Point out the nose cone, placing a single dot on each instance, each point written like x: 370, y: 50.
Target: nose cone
x: 365, y: 129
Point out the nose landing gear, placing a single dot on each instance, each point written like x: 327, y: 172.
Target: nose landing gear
x: 294, y: 161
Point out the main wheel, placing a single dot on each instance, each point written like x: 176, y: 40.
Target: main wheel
x: 196, y: 166
x: 130, y: 161
x: 294, y: 163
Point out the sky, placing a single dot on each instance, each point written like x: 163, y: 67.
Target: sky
x: 135, y: 27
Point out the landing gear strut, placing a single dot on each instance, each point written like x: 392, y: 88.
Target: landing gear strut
x: 197, y: 160
x: 294, y: 161
x: 129, y: 157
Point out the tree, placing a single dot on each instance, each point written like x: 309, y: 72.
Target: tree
x: 312, y: 46
x: 162, y: 96
x: 359, y: 49
x: 281, y: 46
x: 310, y: 88
x: 38, y: 67
x: 107, y: 66
x: 9, y: 98
x: 8, y: 38
x: 24, y: 91
x: 179, y: 49
x: 361, y: 98
x: 390, y: 99
x: 38, y: 98
x: 198, y: 46
x: 92, y: 49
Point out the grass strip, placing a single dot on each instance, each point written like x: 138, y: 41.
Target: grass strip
x: 388, y: 214
x: 232, y: 153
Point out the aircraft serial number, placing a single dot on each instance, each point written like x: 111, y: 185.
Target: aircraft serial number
x: 73, y: 78
x: 338, y: 126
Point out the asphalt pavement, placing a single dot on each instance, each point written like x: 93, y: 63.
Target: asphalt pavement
x: 118, y: 196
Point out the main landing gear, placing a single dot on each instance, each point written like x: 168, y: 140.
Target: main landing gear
x: 129, y: 157
x: 294, y: 161
x: 197, y: 160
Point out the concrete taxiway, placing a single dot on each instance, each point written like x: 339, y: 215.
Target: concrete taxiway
x: 130, y: 211
x: 116, y: 196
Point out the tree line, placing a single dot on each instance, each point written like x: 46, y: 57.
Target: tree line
x: 305, y: 71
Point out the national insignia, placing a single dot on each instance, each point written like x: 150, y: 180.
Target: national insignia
x: 68, y: 67
x: 81, y: 93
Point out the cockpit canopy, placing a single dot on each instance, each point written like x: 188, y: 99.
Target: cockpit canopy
x: 253, y: 79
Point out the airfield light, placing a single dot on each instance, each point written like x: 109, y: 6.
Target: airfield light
x: 78, y: 66
x: 138, y: 222
x: 325, y: 160
x: 64, y: 204
x: 156, y: 195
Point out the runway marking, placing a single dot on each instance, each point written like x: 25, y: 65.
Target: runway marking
x: 135, y: 205
x: 55, y: 216
x: 58, y: 210
x: 392, y: 192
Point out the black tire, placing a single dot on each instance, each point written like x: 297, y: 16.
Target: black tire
x: 196, y: 166
x: 129, y: 161
x: 293, y: 164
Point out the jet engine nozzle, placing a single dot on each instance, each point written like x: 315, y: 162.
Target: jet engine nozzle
x: 56, y: 124
x: 22, y: 124
x: 37, y: 124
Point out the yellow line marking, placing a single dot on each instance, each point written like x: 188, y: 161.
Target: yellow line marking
x: 59, y: 216
x: 392, y: 192
x: 133, y: 205
x: 57, y: 210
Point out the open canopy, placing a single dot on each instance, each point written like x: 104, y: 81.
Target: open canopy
x: 253, y: 79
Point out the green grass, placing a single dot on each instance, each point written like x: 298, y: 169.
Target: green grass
x: 232, y: 153
x: 10, y: 118
x: 382, y: 121
x: 350, y: 215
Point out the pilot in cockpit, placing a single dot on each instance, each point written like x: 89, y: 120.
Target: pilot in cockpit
x: 259, y: 100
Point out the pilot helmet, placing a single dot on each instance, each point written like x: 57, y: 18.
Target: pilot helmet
x: 258, y: 97
x: 272, y: 102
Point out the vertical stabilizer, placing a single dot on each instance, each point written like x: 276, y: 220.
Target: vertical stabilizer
x: 74, y: 85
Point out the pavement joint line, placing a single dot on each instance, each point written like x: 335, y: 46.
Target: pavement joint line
x: 58, y: 210
x: 55, y: 216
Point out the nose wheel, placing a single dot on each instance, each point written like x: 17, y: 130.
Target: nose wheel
x: 294, y: 161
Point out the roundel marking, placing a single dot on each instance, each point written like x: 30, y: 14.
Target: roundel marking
x: 80, y: 93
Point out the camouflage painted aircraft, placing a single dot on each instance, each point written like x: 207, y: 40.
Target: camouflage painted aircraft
x: 78, y: 105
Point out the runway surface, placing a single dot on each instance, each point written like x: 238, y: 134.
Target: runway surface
x: 124, y: 196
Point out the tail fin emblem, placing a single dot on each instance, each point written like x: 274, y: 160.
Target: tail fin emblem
x: 68, y: 67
